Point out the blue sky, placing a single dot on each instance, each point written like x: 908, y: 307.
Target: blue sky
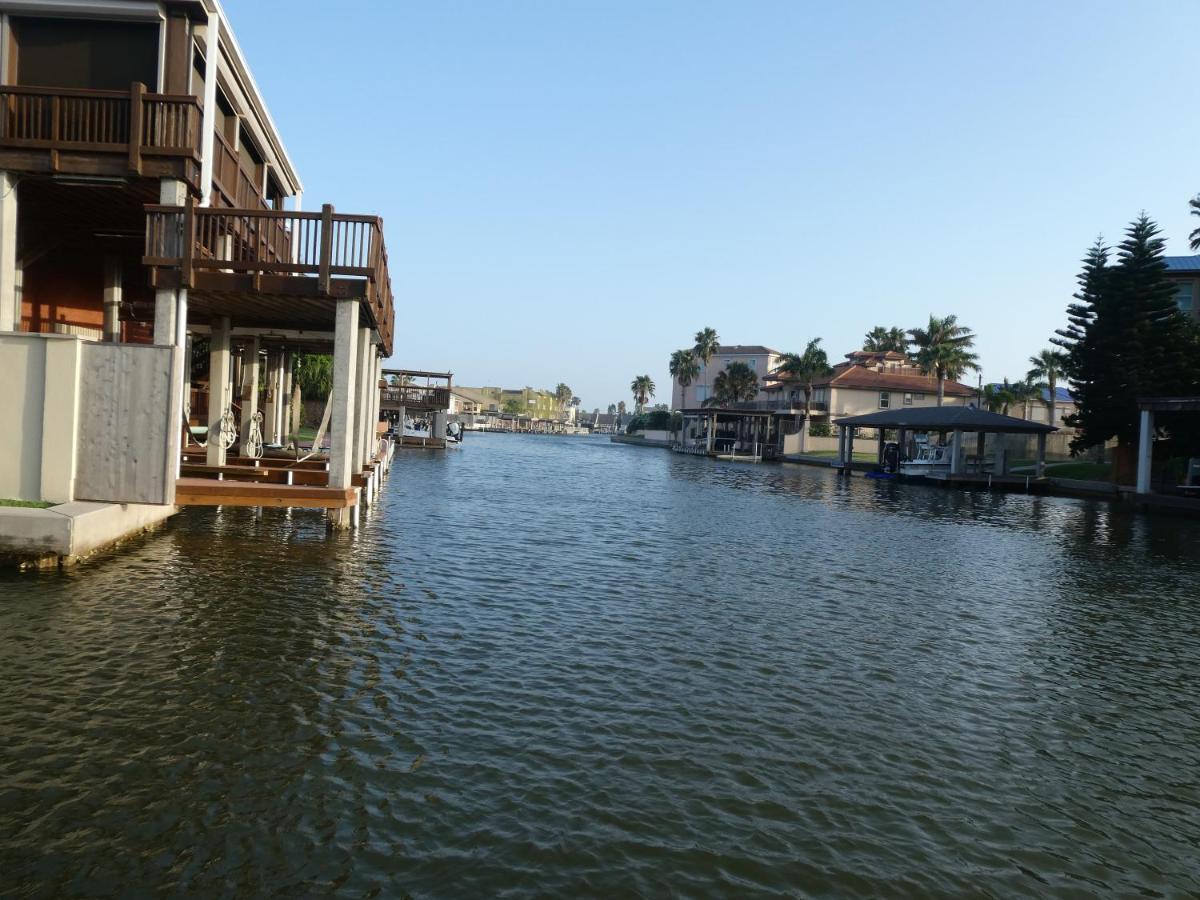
x: 572, y: 188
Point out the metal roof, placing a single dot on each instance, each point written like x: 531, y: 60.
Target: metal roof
x: 945, y: 418
x: 1061, y: 394
x: 1182, y: 263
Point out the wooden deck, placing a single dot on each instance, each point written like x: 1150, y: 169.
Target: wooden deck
x: 191, y: 491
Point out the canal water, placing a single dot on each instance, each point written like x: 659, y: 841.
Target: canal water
x: 559, y: 666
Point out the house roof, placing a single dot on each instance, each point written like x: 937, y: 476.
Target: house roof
x: 868, y: 379
x: 744, y: 350
x: 945, y: 418
x: 1061, y: 394
x: 1182, y: 263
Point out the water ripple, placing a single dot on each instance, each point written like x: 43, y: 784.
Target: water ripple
x: 565, y: 667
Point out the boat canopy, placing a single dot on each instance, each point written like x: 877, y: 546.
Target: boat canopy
x: 945, y: 418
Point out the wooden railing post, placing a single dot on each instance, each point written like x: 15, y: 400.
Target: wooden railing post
x: 326, y: 249
x: 137, y: 94
x: 189, y: 242
x: 55, y: 130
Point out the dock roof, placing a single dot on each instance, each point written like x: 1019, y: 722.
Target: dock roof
x: 946, y: 418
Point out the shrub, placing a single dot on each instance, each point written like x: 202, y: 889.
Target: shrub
x: 820, y: 429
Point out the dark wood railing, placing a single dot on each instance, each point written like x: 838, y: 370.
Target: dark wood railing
x: 416, y: 397
x: 275, y: 242
x: 131, y: 122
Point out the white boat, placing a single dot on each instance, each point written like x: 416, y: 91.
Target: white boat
x: 930, y: 459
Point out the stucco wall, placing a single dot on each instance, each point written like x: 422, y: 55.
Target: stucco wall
x: 761, y: 363
x: 39, y: 409
x: 858, y: 402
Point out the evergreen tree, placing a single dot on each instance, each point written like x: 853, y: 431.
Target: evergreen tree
x: 1126, y: 337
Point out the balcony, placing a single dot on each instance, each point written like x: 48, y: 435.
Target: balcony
x: 100, y: 133
x: 273, y: 268
x: 415, y: 397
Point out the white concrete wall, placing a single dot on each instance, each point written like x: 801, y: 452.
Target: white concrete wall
x: 39, y: 409
x: 791, y: 444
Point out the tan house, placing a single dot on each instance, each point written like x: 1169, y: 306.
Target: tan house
x: 868, y: 382
x: 761, y: 360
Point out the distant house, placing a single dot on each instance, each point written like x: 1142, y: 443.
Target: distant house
x: 1184, y: 271
x: 468, y: 402
x: 1038, y: 409
x: 761, y: 360
x: 867, y: 382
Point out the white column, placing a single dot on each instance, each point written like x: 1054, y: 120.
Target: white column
x: 167, y: 301
x: 10, y: 294
x: 1145, y: 447
x: 208, y: 124
x: 112, y: 299
x: 271, y: 403
x: 285, y: 400
x: 219, y: 367
x: 365, y: 366
x: 249, y: 389
x: 341, y: 440
x: 1040, y: 466
x: 280, y: 399
x: 849, y: 448
x: 375, y: 400
x: 956, y: 452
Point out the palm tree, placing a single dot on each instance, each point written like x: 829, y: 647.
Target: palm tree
x: 643, y: 389
x: 707, y: 345
x: 735, y: 384
x: 943, y: 350
x: 998, y: 397
x: 1023, y: 392
x: 881, y: 340
x: 684, y: 369
x: 563, y: 394
x: 1194, y: 237
x: 1047, y: 369
x: 806, y: 367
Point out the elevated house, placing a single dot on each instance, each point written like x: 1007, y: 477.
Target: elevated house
x: 147, y: 200
x: 760, y: 360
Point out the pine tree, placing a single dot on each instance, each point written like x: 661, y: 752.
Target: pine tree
x: 1126, y: 338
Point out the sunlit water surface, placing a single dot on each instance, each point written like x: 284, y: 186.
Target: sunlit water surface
x: 565, y: 667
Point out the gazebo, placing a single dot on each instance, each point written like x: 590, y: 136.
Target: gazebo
x: 949, y: 420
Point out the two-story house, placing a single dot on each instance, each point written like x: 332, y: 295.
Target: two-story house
x: 147, y: 201
x: 866, y: 382
x: 761, y: 360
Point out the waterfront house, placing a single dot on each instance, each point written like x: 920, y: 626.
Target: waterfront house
x: 1184, y: 272
x: 147, y: 201
x: 761, y: 360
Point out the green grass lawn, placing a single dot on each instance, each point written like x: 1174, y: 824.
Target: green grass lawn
x: 833, y: 454
x: 1087, y: 471
x: 27, y: 504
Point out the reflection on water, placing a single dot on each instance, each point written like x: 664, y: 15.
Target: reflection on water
x: 562, y: 666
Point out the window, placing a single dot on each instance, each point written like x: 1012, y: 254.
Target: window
x: 908, y: 397
x: 754, y: 363
x: 701, y: 393
x: 1184, y: 299
x: 920, y: 396
x: 885, y: 399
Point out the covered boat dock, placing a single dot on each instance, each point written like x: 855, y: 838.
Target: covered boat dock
x: 950, y: 423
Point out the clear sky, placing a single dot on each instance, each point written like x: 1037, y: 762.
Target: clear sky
x: 572, y: 188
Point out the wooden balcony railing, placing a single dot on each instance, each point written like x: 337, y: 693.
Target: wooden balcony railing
x: 131, y: 123
x: 275, y: 242
x: 416, y: 397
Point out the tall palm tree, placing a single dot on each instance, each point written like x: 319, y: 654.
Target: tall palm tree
x: 643, y: 389
x: 881, y: 340
x: 943, y: 350
x: 1048, y: 366
x: 706, y: 347
x: 684, y: 369
x: 735, y: 384
x: 807, y: 367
